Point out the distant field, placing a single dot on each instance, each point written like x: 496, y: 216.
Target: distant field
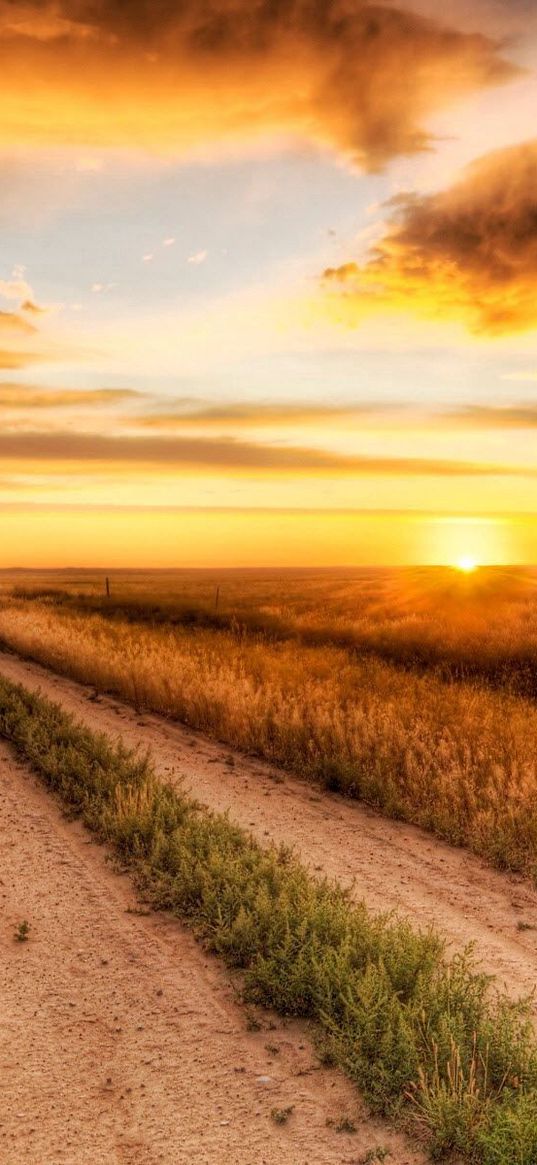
x: 369, y: 682
x: 483, y: 625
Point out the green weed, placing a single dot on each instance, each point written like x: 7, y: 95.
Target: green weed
x: 280, y: 1116
x: 345, y: 1125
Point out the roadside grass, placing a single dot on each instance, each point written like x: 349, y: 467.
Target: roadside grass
x: 429, y: 1043
x: 456, y: 759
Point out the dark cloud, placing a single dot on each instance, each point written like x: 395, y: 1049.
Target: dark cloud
x: 184, y: 454
x: 468, y: 253
x: 360, y: 76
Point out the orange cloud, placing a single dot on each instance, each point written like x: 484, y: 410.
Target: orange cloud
x: 468, y: 253
x: 359, y: 76
x: 11, y: 322
x: 11, y: 360
x: 33, y: 308
x: 504, y: 18
x: 522, y: 416
x: 370, y: 414
x: 17, y: 329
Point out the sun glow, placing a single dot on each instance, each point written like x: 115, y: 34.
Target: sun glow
x: 466, y: 564
x: 466, y: 544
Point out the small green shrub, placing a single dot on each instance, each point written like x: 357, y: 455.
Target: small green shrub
x: 345, y: 1125
x: 280, y: 1116
x: 377, y: 1154
x: 510, y: 1137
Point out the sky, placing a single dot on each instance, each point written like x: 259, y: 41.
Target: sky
x: 268, y: 282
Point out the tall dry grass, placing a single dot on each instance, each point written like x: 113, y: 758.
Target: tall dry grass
x: 456, y: 759
x: 482, y: 626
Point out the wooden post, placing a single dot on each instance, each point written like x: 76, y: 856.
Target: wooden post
x: 216, y: 598
x: 107, y: 587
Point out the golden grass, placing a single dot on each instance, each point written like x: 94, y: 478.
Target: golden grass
x: 454, y: 758
x: 482, y: 625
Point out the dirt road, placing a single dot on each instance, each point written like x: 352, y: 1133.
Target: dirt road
x: 122, y: 1042
x: 394, y: 866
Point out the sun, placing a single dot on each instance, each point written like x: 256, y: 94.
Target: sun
x: 466, y: 564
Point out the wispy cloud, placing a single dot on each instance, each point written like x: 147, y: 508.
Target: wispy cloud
x: 520, y: 376
x: 33, y: 308
x: 16, y: 329
x: 18, y: 288
x: 15, y: 289
x: 11, y: 322
x: 20, y: 396
x: 197, y: 258
x: 366, y: 414
x: 11, y: 359
x: 523, y: 416
x: 254, y: 414
x: 185, y: 454
x: 100, y: 288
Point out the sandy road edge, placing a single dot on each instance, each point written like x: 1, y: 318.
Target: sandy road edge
x: 122, y: 1041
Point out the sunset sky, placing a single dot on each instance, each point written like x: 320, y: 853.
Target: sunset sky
x: 268, y: 283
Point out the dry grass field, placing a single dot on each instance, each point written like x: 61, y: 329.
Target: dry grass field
x: 479, y: 624
x: 409, y: 689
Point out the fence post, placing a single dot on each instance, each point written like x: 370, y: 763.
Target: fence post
x: 107, y: 587
x: 216, y: 598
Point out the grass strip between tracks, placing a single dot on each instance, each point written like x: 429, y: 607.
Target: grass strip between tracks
x: 428, y: 1042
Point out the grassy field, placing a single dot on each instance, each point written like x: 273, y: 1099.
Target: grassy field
x: 458, y: 757
x: 426, y: 1040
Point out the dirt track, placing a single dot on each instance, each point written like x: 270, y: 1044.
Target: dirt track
x: 121, y: 1042
x: 395, y: 866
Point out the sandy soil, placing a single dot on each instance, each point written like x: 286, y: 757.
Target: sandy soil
x: 122, y: 1042
x: 392, y: 865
